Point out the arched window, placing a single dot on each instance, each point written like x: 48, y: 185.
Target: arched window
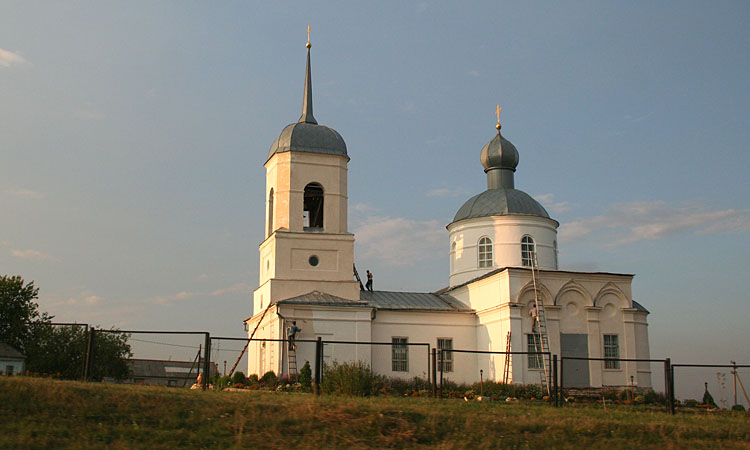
x: 485, y: 252
x: 312, y: 215
x: 270, y: 212
x: 528, y: 251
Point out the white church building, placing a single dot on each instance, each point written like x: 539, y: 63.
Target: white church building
x: 307, y: 257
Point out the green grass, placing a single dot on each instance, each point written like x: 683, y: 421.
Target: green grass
x: 43, y: 413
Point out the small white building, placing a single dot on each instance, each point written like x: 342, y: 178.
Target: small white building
x: 12, y: 361
x: 306, y: 276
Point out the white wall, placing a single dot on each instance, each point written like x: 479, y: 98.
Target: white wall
x: 506, y: 233
x: 19, y: 366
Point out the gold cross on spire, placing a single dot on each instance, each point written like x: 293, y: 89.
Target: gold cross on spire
x: 308, y: 45
x: 497, y: 113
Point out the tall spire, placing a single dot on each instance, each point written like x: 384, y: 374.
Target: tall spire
x: 307, y: 103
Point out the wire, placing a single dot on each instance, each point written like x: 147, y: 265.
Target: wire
x: 162, y: 343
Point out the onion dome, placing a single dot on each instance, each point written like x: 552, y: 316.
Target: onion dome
x: 500, y: 159
x: 307, y: 135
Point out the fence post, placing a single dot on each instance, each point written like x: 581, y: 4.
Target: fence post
x: 89, y: 355
x: 671, y: 385
x: 206, y: 361
x: 318, y: 358
x: 562, y: 381
x: 442, y: 368
x: 434, y: 372
x: 554, y: 378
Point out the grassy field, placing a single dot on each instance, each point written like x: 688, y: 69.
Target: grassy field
x: 43, y: 413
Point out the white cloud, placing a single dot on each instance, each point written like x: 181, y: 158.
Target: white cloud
x: 399, y: 241
x: 473, y: 73
x: 8, y: 58
x: 184, y: 295
x: 33, y: 255
x: 638, y: 221
x: 421, y: 7
x: 25, y: 193
x: 549, y: 203
x: 446, y: 192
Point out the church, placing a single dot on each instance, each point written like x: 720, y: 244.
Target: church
x: 504, y: 276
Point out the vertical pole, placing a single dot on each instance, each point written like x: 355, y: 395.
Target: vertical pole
x: 666, y: 383
x: 734, y: 376
x: 206, y: 361
x: 670, y: 382
x: 554, y: 379
x: 428, y: 363
x: 316, y: 384
x: 434, y: 372
x: 562, y: 381
x: 442, y: 368
x: 89, y: 355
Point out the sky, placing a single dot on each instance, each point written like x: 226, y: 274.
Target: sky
x: 133, y: 137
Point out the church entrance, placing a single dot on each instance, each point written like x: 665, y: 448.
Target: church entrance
x: 575, y: 372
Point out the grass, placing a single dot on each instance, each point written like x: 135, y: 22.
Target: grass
x: 44, y: 413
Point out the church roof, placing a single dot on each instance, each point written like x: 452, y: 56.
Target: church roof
x: 306, y: 135
x: 413, y: 301
x: 500, y: 202
x: 389, y: 300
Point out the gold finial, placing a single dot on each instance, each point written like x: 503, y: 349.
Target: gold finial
x: 308, y: 45
x: 497, y: 113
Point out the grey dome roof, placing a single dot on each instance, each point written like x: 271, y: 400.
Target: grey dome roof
x: 500, y: 202
x: 309, y: 137
x: 499, y: 153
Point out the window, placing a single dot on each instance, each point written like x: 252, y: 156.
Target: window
x: 399, y: 354
x: 445, y: 344
x: 528, y: 250
x: 270, y: 212
x: 485, y: 252
x: 172, y: 383
x: 611, y: 350
x: 312, y: 215
x: 534, y: 344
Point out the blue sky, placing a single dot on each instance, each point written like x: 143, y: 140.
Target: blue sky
x: 134, y: 135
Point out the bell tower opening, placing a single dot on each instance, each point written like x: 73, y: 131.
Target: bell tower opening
x: 312, y: 214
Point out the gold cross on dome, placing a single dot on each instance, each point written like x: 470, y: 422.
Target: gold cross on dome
x: 308, y: 36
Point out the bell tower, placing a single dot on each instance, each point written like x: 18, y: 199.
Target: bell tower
x: 307, y: 245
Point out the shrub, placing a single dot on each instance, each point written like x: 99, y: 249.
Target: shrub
x: 305, y: 376
x: 238, y: 378
x: 402, y: 386
x: 738, y: 407
x: 253, y: 378
x: 351, y: 378
x: 654, y: 397
x: 224, y: 381
x: 691, y: 403
x: 269, y: 379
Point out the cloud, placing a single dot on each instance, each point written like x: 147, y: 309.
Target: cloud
x: 32, y: 255
x: 421, y: 7
x: 8, y: 59
x: 446, y: 192
x: 548, y: 200
x: 25, y: 193
x: 399, y: 241
x: 184, y: 295
x: 473, y: 73
x: 637, y: 221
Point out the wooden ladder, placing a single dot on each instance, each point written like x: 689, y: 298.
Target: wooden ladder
x: 541, y: 343
x: 244, y: 349
x: 292, y: 360
x: 356, y: 275
x: 508, y: 356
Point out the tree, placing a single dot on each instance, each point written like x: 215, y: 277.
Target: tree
x: 63, y: 350
x: 19, y: 314
x: 52, y: 349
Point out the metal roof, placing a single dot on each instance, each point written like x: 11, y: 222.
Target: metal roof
x: 640, y: 307
x: 413, y: 301
x: 143, y: 368
x: 321, y: 298
x: 403, y: 301
x: 500, y: 202
x: 306, y: 135
x: 6, y: 351
x: 499, y: 153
